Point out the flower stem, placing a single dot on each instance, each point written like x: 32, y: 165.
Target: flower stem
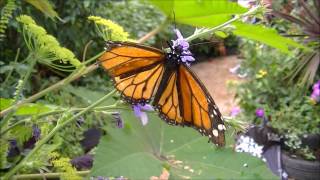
x: 55, y: 112
x: 209, y: 31
x: 10, y: 72
x: 80, y: 72
x: 52, y: 133
x: 46, y: 175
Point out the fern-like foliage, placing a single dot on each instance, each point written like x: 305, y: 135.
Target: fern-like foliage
x: 46, y: 46
x: 6, y: 15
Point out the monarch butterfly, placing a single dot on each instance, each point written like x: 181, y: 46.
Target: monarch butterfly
x: 143, y: 74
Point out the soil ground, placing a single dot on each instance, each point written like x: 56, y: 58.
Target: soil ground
x: 215, y: 74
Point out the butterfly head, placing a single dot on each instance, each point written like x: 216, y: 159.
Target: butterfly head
x: 180, y: 50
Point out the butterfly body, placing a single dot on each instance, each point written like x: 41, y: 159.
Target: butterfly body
x: 144, y: 74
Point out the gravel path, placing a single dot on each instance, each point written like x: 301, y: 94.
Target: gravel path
x: 215, y: 74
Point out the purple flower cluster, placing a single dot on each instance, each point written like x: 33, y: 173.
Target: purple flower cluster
x: 316, y: 92
x: 235, y: 111
x: 181, y: 45
x: 260, y: 112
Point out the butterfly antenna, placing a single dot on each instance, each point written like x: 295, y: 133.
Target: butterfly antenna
x: 170, y: 46
x: 174, y: 20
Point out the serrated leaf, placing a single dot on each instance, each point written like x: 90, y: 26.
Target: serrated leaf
x: 29, y: 108
x: 206, y: 13
x: 139, y: 152
x: 265, y: 35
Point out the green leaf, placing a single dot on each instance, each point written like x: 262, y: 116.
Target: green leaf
x: 139, y: 152
x: 27, y: 109
x: 221, y: 34
x: 207, y: 13
x: 45, y: 7
x: 265, y: 35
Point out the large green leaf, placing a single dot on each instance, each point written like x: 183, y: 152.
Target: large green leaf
x: 28, y: 108
x: 139, y: 152
x: 206, y: 13
x: 265, y: 35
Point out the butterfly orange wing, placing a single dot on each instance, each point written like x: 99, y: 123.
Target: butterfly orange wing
x: 136, y: 70
x: 186, y: 101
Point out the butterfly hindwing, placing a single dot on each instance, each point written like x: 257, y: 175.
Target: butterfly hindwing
x: 198, y: 108
x: 185, y: 101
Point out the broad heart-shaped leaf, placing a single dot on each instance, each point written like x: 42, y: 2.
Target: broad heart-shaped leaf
x: 206, y: 13
x: 139, y: 152
x: 265, y: 35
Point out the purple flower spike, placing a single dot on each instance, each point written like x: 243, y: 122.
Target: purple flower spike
x: 235, y: 111
x: 139, y: 112
x: 260, y: 113
x: 182, y: 47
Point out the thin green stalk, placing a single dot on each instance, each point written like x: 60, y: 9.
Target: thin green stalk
x: 209, y: 31
x: 26, y: 77
x: 93, y: 58
x: 10, y: 72
x: 80, y: 72
x: 6, y: 121
x: 46, y: 175
x: 101, y: 108
x: 59, y: 126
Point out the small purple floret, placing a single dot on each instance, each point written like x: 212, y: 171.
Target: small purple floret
x: 260, y: 113
x: 139, y: 112
x: 315, y: 95
x: 235, y: 111
x: 182, y: 46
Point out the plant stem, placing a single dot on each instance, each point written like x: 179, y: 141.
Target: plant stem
x: 80, y: 72
x: 52, y: 133
x: 209, y: 31
x: 10, y: 72
x: 101, y: 108
x: 46, y: 175
x: 6, y: 120
x: 26, y: 77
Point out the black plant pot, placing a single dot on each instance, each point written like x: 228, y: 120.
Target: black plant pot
x: 300, y: 169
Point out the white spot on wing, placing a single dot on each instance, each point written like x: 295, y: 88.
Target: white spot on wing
x: 221, y: 127
x: 215, y: 132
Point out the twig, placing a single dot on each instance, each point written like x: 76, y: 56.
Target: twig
x: 47, y: 175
